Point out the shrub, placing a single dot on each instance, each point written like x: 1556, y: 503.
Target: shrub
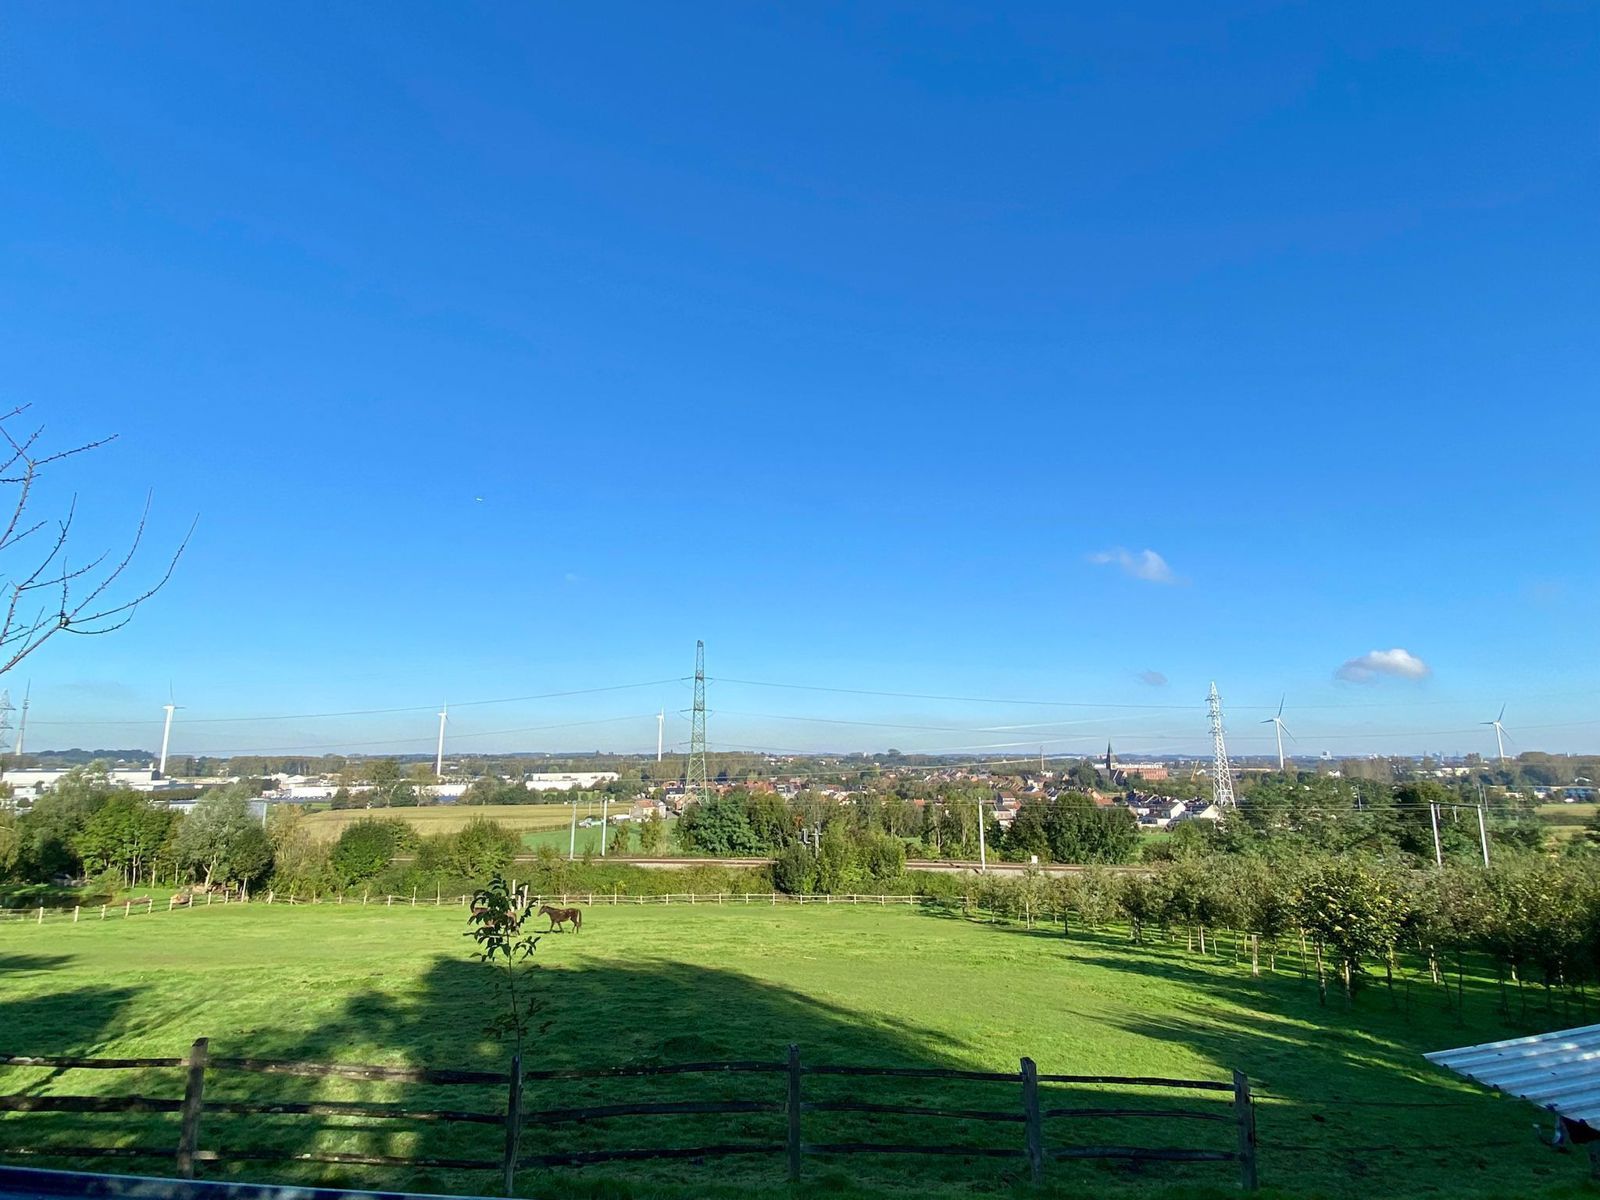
x: 365, y: 849
x: 483, y: 849
x: 795, y: 870
x: 883, y: 858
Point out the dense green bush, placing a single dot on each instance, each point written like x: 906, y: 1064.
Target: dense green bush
x: 795, y: 870
x: 482, y: 849
x: 366, y: 848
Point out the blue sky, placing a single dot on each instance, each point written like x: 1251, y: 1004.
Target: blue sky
x: 876, y: 345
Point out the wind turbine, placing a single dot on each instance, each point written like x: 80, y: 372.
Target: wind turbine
x: 1280, y: 729
x: 166, y: 732
x: 438, y: 760
x: 22, y: 723
x: 1499, y: 732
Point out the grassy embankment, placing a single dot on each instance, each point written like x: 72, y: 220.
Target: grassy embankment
x: 658, y: 984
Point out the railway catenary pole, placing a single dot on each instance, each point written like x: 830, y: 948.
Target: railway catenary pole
x: 1483, y: 836
x: 572, y: 843
x: 983, y: 858
x: 605, y: 801
x: 1433, y: 819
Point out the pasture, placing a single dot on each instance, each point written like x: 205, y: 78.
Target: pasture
x: 432, y: 819
x: 1347, y: 1107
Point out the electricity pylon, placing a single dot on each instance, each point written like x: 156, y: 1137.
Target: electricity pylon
x: 695, y: 784
x: 1221, y: 771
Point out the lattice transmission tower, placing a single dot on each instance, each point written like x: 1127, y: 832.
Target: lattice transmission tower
x: 1221, y: 771
x: 695, y: 784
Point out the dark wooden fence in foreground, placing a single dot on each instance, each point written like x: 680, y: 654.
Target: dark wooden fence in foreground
x: 1035, y: 1110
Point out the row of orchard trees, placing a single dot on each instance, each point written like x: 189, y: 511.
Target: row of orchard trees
x: 1536, y: 918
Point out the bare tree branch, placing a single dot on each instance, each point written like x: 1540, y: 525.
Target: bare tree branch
x: 85, y: 599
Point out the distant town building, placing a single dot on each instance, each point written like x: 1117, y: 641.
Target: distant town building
x: 566, y: 781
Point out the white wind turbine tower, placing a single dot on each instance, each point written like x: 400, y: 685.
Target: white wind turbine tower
x: 1280, y: 729
x: 438, y: 759
x: 166, y: 732
x: 22, y: 722
x: 1499, y: 732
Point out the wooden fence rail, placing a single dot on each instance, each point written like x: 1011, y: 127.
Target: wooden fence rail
x: 148, y: 905
x: 1030, y: 1111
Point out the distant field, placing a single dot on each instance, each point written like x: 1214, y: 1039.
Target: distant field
x: 1559, y: 813
x: 448, y: 818
x: 1565, y: 821
x: 561, y: 840
x: 589, y: 839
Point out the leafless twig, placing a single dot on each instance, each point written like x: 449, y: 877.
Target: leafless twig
x: 45, y: 595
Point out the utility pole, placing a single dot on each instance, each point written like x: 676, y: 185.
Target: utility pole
x: 695, y: 785
x: 605, y: 803
x: 1433, y: 818
x: 1483, y: 836
x: 572, y: 843
x: 661, y: 725
x: 983, y: 858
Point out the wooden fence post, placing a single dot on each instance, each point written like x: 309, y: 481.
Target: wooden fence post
x: 513, y: 1125
x: 75, y: 908
x: 1245, y: 1114
x: 1032, y: 1123
x: 193, y: 1103
x: 794, y: 1113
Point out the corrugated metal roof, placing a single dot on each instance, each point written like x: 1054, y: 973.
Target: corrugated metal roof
x: 1559, y: 1071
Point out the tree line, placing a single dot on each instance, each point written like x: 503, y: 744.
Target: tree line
x: 1348, y: 919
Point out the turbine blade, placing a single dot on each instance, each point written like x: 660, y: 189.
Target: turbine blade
x: 1281, y: 699
x: 1285, y: 728
x: 1502, y: 715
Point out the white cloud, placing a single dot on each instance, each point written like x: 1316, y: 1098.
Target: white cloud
x: 1153, y: 678
x: 1146, y: 564
x: 1373, y: 665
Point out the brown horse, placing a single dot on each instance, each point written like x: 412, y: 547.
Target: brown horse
x: 558, y: 916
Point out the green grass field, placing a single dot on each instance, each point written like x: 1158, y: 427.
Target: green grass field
x: 448, y: 818
x: 850, y: 985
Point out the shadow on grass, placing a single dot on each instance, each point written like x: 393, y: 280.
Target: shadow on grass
x: 30, y: 962
x: 659, y: 1011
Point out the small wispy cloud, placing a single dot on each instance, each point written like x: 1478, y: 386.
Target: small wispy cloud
x: 1152, y: 678
x: 1376, y: 664
x: 1145, y: 564
x: 571, y: 577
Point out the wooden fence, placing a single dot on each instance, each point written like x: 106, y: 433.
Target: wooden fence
x: 1036, y: 1109
x: 149, y: 905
